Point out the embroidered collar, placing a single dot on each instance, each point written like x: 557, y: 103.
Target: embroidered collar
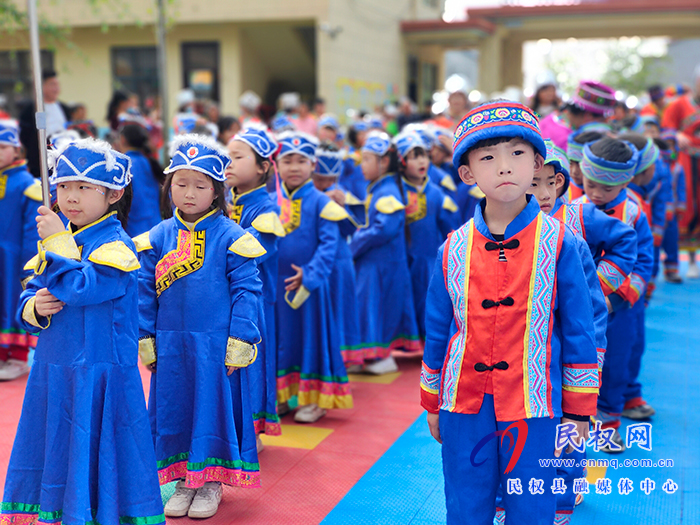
x: 518, y: 224
x: 412, y: 187
x: 250, y: 197
x: 299, y: 192
x: 94, y: 229
x: 200, y: 224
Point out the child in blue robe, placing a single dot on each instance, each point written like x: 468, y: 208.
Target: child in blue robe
x: 352, y: 179
x: 437, y: 175
x: 384, y: 293
x: 329, y: 165
x: 145, y: 205
x: 20, y: 196
x: 83, y: 451
x: 309, y: 363
x: 252, y: 151
x: 199, y: 295
x: 430, y: 216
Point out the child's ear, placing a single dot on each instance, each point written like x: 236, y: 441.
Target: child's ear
x: 559, y: 181
x: 466, y: 175
x: 115, y: 195
x: 539, y: 162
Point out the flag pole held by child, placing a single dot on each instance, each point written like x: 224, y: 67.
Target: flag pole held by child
x: 39, y: 99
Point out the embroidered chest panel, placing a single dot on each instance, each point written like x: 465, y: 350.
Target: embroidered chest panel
x: 187, y: 258
x: 417, y: 207
x: 290, y: 214
x: 571, y: 215
x: 627, y: 211
x: 236, y: 213
x: 464, y: 260
x: 3, y: 185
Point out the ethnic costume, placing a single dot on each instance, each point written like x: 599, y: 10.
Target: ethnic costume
x: 674, y: 210
x: 20, y: 197
x: 430, y: 216
x: 508, y: 339
x: 683, y: 114
x: 342, y: 278
x: 83, y: 451
x: 623, y: 323
x: 259, y: 215
x: 309, y: 363
x: 199, y: 295
x: 384, y: 293
x: 145, y: 205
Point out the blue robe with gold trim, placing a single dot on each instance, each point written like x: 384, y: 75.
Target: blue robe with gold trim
x: 83, y: 451
x: 309, y: 363
x: 267, y: 229
x: 20, y: 197
x: 384, y: 293
x: 198, y: 288
x: 430, y: 216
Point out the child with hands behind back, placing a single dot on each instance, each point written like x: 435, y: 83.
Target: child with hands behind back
x: 83, y: 435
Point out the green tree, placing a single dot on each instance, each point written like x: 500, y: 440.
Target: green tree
x: 630, y: 68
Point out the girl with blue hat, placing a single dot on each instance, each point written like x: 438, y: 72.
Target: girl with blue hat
x: 20, y: 197
x: 252, y: 152
x: 384, y: 293
x: 430, y: 216
x: 309, y: 363
x: 83, y: 438
x: 329, y: 166
x: 199, y: 297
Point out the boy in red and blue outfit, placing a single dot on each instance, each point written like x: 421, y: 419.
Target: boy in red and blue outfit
x: 608, y: 166
x: 509, y: 343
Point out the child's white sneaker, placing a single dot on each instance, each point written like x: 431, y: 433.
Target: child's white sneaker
x: 383, y: 366
x: 179, y: 503
x: 259, y: 444
x: 309, y: 414
x: 12, y: 369
x: 206, y: 501
x: 693, y: 271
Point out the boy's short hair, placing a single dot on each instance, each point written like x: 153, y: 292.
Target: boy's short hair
x: 612, y: 150
x: 493, y: 123
x: 610, y: 161
x: 648, y: 150
x: 587, y: 136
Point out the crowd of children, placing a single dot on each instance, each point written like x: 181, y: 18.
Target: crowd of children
x: 253, y: 275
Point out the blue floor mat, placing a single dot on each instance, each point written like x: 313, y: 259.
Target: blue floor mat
x: 406, y: 486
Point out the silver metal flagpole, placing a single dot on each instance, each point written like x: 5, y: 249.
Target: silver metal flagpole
x: 39, y: 99
x: 163, y: 78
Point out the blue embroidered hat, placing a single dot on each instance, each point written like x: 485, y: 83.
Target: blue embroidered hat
x: 647, y: 156
x: 360, y: 125
x: 260, y: 140
x: 297, y: 142
x: 184, y: 123
x: 328, y: 121
x: 9, y: 133
x: 375, y: 122
x: 608, y: 172
x: 329, y: 163
x: 281, y: 123
x: 63, y: 138
x: 557, y: 159
x: 92, y: 161
x: 424, y: 132
x: 438, y: 132
x: 377, y: 142
x: 198, y: 153
x: 494, y: 120
x: 407, y: 141
x: 574, y: 150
